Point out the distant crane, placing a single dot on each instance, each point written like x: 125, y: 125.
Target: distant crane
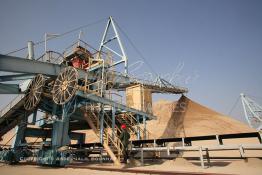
x: 253, y: 112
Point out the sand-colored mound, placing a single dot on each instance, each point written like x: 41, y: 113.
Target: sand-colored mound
x: 186, y: 118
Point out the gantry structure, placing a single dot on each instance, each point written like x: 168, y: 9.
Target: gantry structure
x: 252, y: 111
x: 73, y: 91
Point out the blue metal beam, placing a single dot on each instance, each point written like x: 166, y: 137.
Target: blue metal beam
x: 39, y: 132
x: 20, y: 133
x: 9, y: 89
x: 106, y: 101
x: 16, y: 77
x: 22, y: 65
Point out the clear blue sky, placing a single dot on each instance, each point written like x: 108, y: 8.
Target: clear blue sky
x: 217, y: 43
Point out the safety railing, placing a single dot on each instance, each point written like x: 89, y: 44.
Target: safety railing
x: 94, y: 116
x: 11, y: 104
x: 81, y: 43
x: 144, y: 134
x: 114, y: 96
x: 97, y: 90
x: 51, y: 57
x: 108, y: 136
x: 150, y: 83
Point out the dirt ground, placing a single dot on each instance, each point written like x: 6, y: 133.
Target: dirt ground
x: 38, y: 170
x: 251, y: 166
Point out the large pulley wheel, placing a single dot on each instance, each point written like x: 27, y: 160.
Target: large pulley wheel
x: 65, y: 85
x: 34, y: 92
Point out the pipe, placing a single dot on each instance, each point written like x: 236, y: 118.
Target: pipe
x: 30, y: 46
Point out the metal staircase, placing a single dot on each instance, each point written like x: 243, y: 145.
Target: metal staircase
x: 111, y: 144
x: 128, y: 121
x: 131, y: 123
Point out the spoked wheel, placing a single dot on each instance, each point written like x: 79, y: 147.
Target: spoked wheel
x: 65, y: 85
x: 34, y: 92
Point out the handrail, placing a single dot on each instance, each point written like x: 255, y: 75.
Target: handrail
x: 147, y: 82
x: 109, y: 93
x: 78, y: 43
x: 96, y: 118
x: 11, y: 104
x: 140, y: 128
x: 96, y: 91
x: 48, y: 54
x: 111, y: 121
x: 116, y: 141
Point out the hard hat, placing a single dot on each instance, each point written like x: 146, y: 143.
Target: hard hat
x: 123, y: 126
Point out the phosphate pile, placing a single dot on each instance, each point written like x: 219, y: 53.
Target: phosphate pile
x: 186, y: 118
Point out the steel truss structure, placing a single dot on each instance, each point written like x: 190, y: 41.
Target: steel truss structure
x: 253, y: 112
x: 74, y: 91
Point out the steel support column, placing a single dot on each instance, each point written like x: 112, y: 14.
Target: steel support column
x: 60, y: 130
x: 113, y: 121
x: 34, y: 116
x: 20, y: 133
x: 138, y: 129
x: 102, y: 125
x: 144, y: 122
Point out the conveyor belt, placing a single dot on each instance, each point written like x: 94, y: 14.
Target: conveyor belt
x: 12, y: 114
x: 219, y: 138
x: 162, y: 141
